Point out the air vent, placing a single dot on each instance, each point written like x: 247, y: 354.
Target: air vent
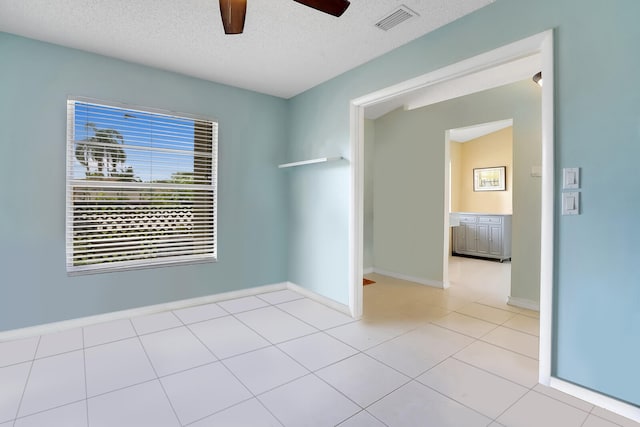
x: 395, y: 18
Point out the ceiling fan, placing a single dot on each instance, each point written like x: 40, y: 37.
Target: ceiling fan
x: 234, y: 11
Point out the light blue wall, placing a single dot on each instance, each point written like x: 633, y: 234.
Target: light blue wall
x: 597, y: 129
x: 35, y: 80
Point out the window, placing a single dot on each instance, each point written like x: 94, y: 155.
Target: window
x: 141, y: 188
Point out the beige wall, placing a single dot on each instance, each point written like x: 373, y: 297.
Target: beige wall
x: 494, y: 149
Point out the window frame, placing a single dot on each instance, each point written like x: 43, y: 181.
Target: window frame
x: 149, y: 262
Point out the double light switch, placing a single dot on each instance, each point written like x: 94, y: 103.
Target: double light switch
x: 571, y: 199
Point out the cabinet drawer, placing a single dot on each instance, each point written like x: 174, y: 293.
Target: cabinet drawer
x: 490, y: 219
x: 467, y: 218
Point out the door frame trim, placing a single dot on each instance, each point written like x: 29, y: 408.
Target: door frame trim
x: 542, y: 44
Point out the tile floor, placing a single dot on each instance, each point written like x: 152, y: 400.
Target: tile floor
x: 419, y: 357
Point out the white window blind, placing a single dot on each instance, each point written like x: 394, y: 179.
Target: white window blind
x: 141, y: 188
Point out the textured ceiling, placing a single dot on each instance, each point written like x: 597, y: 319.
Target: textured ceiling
x: 286, y: 48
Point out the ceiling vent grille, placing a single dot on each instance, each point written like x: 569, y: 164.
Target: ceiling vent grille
x: 395, y: 18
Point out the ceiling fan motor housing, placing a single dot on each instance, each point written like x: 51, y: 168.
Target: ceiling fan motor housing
x: 233, y: 13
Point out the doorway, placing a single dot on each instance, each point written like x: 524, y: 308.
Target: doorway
x: 480, y: 219
x: 539, y: 44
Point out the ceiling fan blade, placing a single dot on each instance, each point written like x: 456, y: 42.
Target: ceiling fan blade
x: 233, y: 13
x: 332, y: 7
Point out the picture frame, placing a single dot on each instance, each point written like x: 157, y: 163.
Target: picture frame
x: 489, y: 179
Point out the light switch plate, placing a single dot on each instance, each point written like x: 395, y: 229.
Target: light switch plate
x: 571, y: 203
x: 570, y: 178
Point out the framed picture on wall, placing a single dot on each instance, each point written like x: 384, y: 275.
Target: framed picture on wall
x: 489, y: 179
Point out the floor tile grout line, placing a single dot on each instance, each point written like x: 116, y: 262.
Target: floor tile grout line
x: 280, y: 302
x: 108, y: 342
x: 491, y: 419
x: 467, y: 335
x: 330, y: 364
x: 404, y: 332
x: 221, y: 361
x: 480, y: 318
x: 520, y: 330
x: 491, y: 373
x: 42, y: 411
x: 316, y: 330
x: 257, y: 395
x: 511, y: 329
x: 502, y: 309
x: 511, y: 406
x: 268, y: 342
x: 254, y: 396
x: 389, y: 366
x: 216, y: 412
x: 269, y: 411
x: 59, y: 354
x: 26, y: 383
x: 213, y: 353
x: 244, y: 310
x: 585, y: 420
x: 410, y: 380
x: 312, y: 325
x: 591, y: 414
x: 339, y: 340
x: 322, y: 380
x: 558, y: 400
x: 157, y: 378
x: 29, y: 359
x: 373, y: 358
x: 229, y: 313
x: 230, y: 407
x: 480, y: 340
x: 141, y: 334
x: 118, y: 389
x: 367, y: 348
x: 360, y: 412
x: 144, y: 334
x: 510, y: 349
x: 531, y: 390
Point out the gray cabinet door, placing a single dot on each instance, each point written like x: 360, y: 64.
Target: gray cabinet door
x: 460, y: 237
x: 482, y: 239
x: 471, y: 238
x: 495, y: 240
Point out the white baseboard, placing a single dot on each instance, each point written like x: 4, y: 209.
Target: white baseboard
x: 621, y: 408
x: 133, y: 312
x: 523, y: 303
x: 368, y: 270
x: 320, y: 298
x: 433, y: 283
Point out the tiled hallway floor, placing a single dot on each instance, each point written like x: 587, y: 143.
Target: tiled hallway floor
x: 419, y: 357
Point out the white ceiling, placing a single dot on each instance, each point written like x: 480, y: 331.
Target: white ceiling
x: 468, y: 133
x: 286, y: 47
x: 503, y: 74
